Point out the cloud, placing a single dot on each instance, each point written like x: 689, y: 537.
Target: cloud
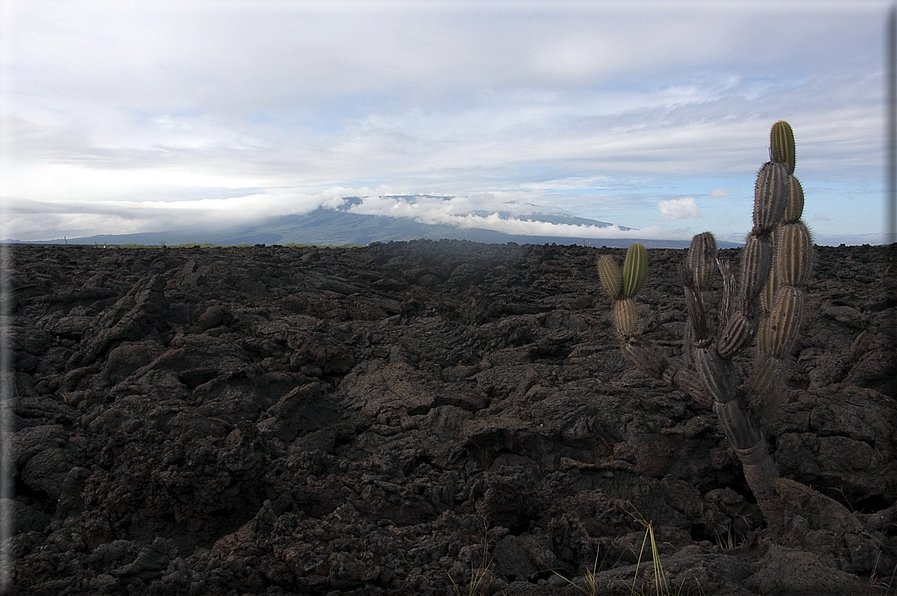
x: 719, y: 193
x: 516, y: 226
x: 514, y: 215
x: 46, y: 220
x: 136, y: 114
x: 510, y: 213
x: 683, y: 208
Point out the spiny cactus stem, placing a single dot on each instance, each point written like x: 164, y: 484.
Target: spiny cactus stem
x: 795, y: 201
x: 646, y: 358
x: 696, y: 314
x: 767, y: 374
x: 756, y: 263
x: 611, y: 276
x: 781, y: 326
x: 768, y: 295
x: 739, y: 427
x: 689, y: 344
x: 688, y: 381
x: 781, y: 145
x: 761, y: 473
x: 737, y: 335
x: 626, y: 318
x: 635, y: 269
x: 770, y: 195
x: 727, y: 305
x: 793, y: 254
x: 718, y: 375
x: 701, y: 258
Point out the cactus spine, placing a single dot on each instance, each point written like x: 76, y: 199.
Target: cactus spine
x: 765, y: 307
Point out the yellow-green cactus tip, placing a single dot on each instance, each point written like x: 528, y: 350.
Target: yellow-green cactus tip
x: 635, y: 269
x: 781, y: 145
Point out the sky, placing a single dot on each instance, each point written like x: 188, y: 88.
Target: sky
x: 124, y: 117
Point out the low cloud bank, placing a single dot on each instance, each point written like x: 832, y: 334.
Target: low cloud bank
x: 513, y: 213
x: 510, y: 213
x: 513, y: 217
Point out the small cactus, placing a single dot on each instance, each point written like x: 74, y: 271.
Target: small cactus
x: 765, y: 307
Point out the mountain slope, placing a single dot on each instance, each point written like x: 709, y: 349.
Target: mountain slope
x: 340, y: 227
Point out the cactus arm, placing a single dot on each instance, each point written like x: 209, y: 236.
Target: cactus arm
x: 701, y: 260
x: 781, y: 145
x: 635, y: 269
x: 795, y: 201
x: 739, y: 332
x: 779, y: 329
x: 698, y: 269
x: 755, y: 266
x: 770, y: 196
x: 727, y: 304
x: 697, y: 317
x: 768, y: 295
x: 717, y: 374
x: 611, y: 276
x: 689, y: 382
x: 793, y: 254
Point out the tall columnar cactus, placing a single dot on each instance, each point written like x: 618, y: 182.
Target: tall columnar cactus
x: 764, y: 308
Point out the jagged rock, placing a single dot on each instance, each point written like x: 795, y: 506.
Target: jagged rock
x: 377, y: 420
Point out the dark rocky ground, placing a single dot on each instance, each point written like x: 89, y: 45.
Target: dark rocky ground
x: 393, y: 418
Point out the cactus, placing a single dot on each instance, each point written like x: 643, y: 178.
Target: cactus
x: 765, y: 308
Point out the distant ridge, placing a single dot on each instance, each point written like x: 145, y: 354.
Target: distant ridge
x: 341, y: 227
